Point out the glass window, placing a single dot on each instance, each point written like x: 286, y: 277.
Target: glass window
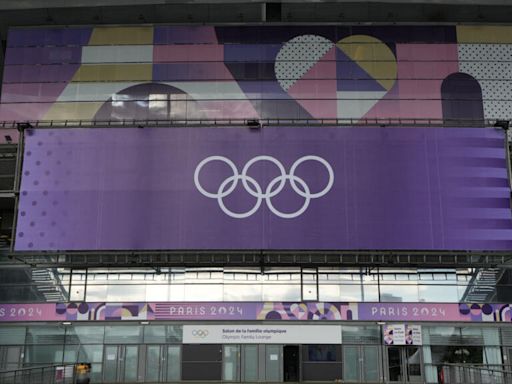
x: 440, y: 335
x: 45, y: 335
x: 321, y: 353
x: 399, y: 293
x: 203, y: 292
x: 154, y: 334
x: 439, y: 293
x: 456, y: 354
x: 123, y: 334
x: 272, y: 292
x: 241, y: 292
x: 158, y: 292
x: 85, y: 334
x: 86, y: 353
x: 174, y: 333
x: 118, y: 293
x: 96, y: 293
x: 12, y: 335
x: 43, y: 354
x: 360, y: 334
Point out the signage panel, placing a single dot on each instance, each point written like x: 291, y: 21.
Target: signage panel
x: 300, y: 188
x: 402, y: 334
x: 256, y: 311
x: 261, y: 334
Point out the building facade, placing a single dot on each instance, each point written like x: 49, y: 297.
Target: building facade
x: 258, y: 203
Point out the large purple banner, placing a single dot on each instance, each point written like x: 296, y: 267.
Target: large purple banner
x: 274, y: 188
x: 275, y: 311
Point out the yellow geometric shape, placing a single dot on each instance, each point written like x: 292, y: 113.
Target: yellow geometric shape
x: 113, y: 72
x: 121, y: 35
x: 484, y: 34
x: 73, y: 111
x: 372, y: 55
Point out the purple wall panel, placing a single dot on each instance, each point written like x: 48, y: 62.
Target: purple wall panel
x: 43, y: 55
x: 31, y: 37
x: 31, y: 92
x: 392, y: 188
x: 40, y: 73
x: 184, y: 35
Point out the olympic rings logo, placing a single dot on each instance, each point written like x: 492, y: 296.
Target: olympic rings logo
x: 274, y: 187
x: 202, y: 333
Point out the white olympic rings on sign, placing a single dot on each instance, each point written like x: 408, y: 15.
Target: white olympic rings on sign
x: 274, y: 187
x: 200, y: 333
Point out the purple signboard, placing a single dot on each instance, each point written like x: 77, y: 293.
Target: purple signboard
x: 278, y: 311
x: 322, y: 188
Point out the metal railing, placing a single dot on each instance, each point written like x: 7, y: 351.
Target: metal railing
x: 470, y: 374
x: 53, y: 374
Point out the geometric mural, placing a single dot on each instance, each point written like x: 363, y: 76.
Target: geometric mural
x: 232, y: 72
x: 274, y: 311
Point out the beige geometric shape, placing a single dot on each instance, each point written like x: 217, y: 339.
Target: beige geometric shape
x: 114, y: 72
x: 373, y: 56
x: 121, y: 35
x: 484, y: 34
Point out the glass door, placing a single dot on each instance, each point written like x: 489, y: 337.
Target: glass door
x: 10, y: 357
x: 231, y: 363
x: 250, y: 363
x: 273, y: 362
x: 155, y: 363
x: 120, y: 363
x: 404, y: 364
x: 162, y: 363
x: 361, y: 363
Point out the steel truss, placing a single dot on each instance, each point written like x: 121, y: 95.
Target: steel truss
x: 97, y: 259
x: 143, y: 123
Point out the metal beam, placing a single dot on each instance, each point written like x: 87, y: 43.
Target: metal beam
x: 95, y: 259
x: 45, y: 4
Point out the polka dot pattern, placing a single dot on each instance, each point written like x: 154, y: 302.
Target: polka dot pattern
x: 491, y: 65
x: 298, y: 56
x: 45, y: 165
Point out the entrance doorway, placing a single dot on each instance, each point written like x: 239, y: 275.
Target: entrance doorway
x: 162, y: 363
x: 120, y: 363
x: 404, y: 364
x: 291, y: 362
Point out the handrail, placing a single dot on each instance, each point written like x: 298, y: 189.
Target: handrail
x: 45, y: 374
x: 37, y: 367
x: 474, y: 374
x: 482, y: 367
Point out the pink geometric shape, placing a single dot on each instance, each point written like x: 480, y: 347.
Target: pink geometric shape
x: 316, y: 90
x: 403, y: 100
x: 23, y: 111
x: 226, y: 109
x: 188, y: 53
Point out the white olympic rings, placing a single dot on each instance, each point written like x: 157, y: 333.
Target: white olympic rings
x: 274, y: 187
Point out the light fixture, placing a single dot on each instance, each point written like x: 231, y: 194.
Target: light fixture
x: 253, y: 124
x: 144, y: 323
x: 22, y: 126
x: 66, y: 323
x: 504, y: 124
